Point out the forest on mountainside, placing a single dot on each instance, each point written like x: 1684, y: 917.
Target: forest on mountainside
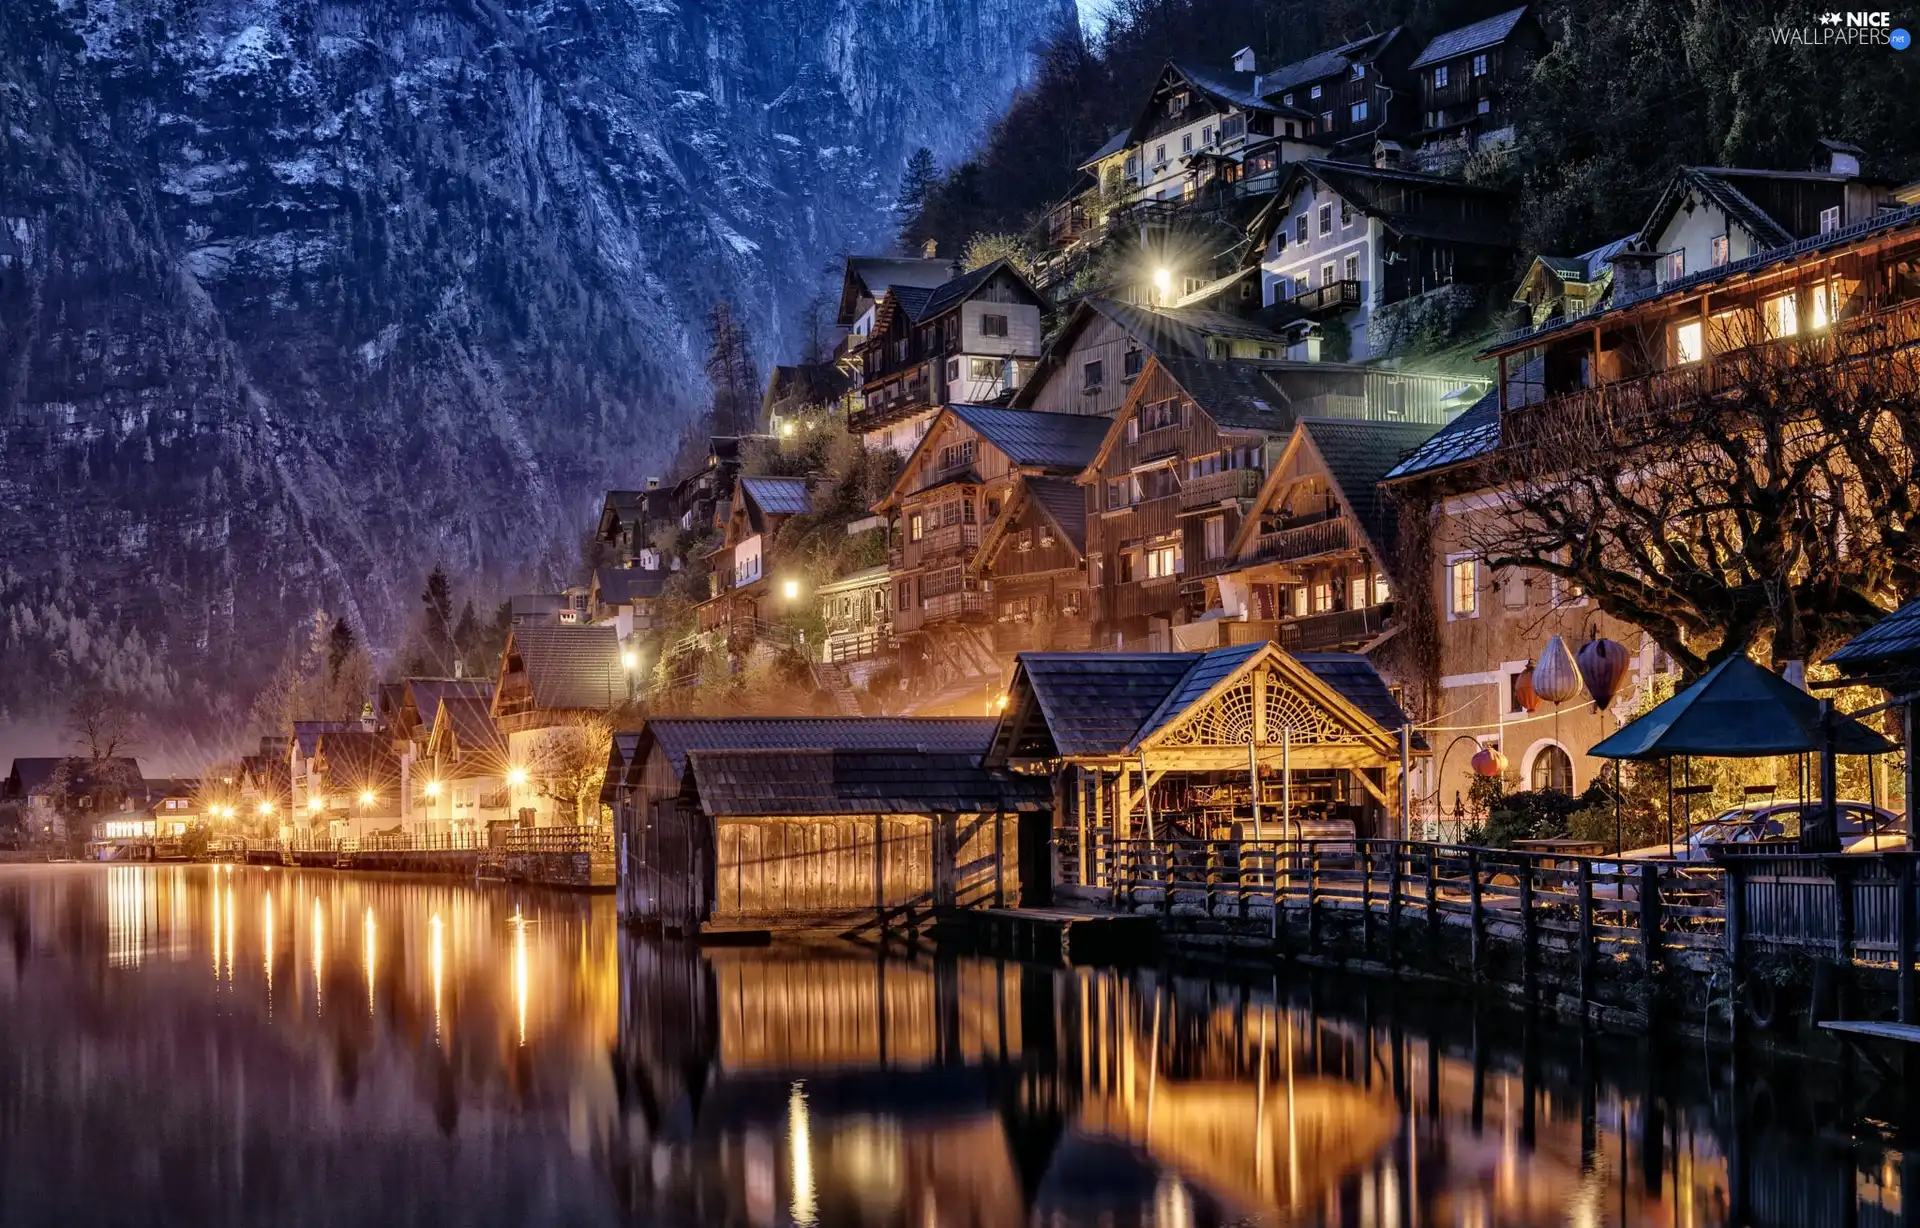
x: 1630, y: 90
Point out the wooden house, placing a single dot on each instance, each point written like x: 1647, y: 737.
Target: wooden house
x: 957, y: 484
x: 971, y: 339
x: 797, y: 391
x: 629, y: 519
x: 1470, y: 83
x: 1196, y: 122
x: 1558, y: 286
x: 357, y: 774
x: 557, y: 689
x: 1357, y: 92
x: 308, y: 791
x: 1033, y: 565
x: 1790, y: 260
x: 1309, y: 565
x: 464, y: 772
x: 625, y: 599
x: 1230, y: 743
x: 741, y: 578
x: 857, y: 610
x: 646, y: 772
x: 1340, y: 242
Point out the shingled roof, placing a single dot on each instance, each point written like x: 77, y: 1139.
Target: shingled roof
x: 1063, y: 441
x: 468, y: 720
x: 1357, y: 455
x: 1065, y: 503
x: 624, y: 585
x: 817, y: 782
x: 778, y: 496
x: 1891, y: 645
x: 1488, y: 32
x: 678, y: 736
x: 1236, y: 394
x: 568, y: 668
x: 1325, y: 64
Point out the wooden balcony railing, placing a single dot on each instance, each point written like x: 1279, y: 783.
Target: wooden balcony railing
x: 1330, y: 299
x: 1303, y: 541
x: 954, y: 539
x: 1335, y: 628
x: 953, y: 605
x: 1212, y: 488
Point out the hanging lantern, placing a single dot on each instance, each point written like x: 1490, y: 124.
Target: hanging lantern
x: 1603, y: 664
x: 1524, y: 695
x: 1556, y: 678
x: 1489, y: 762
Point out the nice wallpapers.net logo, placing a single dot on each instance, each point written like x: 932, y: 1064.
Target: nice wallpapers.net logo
x: 1834, y: 28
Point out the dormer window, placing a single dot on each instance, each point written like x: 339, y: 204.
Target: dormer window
x: 1357, y: 73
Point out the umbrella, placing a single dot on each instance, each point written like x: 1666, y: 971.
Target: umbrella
x: 1737, y: 710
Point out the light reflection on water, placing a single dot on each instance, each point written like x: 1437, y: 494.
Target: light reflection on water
x: 206, y: 1045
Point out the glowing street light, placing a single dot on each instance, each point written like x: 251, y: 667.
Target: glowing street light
x: 366, y: 799
x: 1163, y: 282
x: 266, y: 807
x: 630, y: 659
x: 786, y: 429
x: 315, y: 803
x: 517, y: 776
x: 790, y: 589
x: 433, y: 788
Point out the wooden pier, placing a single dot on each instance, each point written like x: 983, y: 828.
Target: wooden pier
x: 1054, y: 934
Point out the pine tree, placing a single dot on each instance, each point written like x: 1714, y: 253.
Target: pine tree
x: 466, y: 634
x: 341, y: 642
x: 436, y: 628
x: 731, y: 371
x: 910, y: 206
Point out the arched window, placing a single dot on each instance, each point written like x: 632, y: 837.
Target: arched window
x: 1552, y: 769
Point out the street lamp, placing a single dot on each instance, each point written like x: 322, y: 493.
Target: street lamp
x: 366, y: 798
x: 433, y: 788
x: 517, y: 776
x: 790, y: 590
x: 1163, y: 282
x: 315, y: 804
x: 266, y: 807
x: 630, y: 659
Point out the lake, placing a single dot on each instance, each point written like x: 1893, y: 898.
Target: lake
x: 215, y: 1045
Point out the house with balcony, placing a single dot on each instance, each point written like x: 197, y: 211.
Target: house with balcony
x: 1094, y: 357
x: 1821, y: 255
x: 970, y: 340
x: 1470, y: 81
x: 857, y: 610
x: 958, y: 483
x: 304, y: 783
x: 464, y: 774
x: 1357, y: 93
x: 1195, y: 123
x: 1033, y: 565
x: 1340, y: 243
x: 740, y: 577
x: 1310, y: 564
x: 357, y: 777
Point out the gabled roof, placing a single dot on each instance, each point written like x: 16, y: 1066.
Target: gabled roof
x: 772, y: 783
x: 866, y: 577
x: 1488, y: 32
x: 1115, y: 143
x: 677, y: 736
x: 778, y: 496
x: 624, y: 585
x: 1719, y: 186
x: 423, y: 695
x: 1325, y: 64
x: 1209, y: 670
x: 951, y: 294
x: 568, y: 668
x: 1065, y: 441
x: 1473, y: 434
x: 361, y: 759
x: 1234, y: 89
x: 1158, y: 330
x: 306, y: 734
x: 1237, y: 394
x: 1360, y: 684
x: 1094, y: 701
x: 872, y: 276
x: 1380, y: 192
x: 1357, y: 455
x: 1065, y: 503
x: 468, y: 720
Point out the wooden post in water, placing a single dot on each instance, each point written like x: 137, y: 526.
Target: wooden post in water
x: 1253, y: 783
x: 1586, y: 935
x: 1433, y: 908
x: 1398, y: 850
x: 1080, y: 814
x: 1906, y: 921
x: 1313, y: 881
x: 1473, y: 914
x: 1526, y: 923
x: 1649, y: 916
x: 1733, y: 911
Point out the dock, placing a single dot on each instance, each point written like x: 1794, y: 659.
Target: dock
x: 1057, y: 934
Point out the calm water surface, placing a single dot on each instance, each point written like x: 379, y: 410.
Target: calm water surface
x: 209, y: 1045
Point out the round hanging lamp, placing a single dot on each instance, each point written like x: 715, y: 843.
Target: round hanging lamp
x: 1489, y: 762
x: 1556, y: 678
x: 1524, y: 696
x: 1603, y: 665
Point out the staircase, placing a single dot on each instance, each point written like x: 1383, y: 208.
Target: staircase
x: 833, y: 682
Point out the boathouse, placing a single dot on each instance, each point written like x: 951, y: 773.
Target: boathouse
x: 1241, y: 742
x: 647, y: 770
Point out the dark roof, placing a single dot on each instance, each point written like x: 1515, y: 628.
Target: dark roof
x: 1474, y: 433
x: 1205, y: 672
x: 363, y: 760
x: 306, y: 734
x: 426, y: 693
x: 676, y: 736
x: 1065, y: 441
x: 873, y: 276
x: 810, y: 383
x: 952, y: 293
x: 1379, y: 192
x: 1324, y: 64
x: 778, y: 496
x: 1718, y: 186
x: 1179, y: 331
x: 1234, y: 88
x: 1887, y: 219
x: 913, y: 299
x: 525, y: 605
x: 811, y: 782
x: 621, y: 585
x: 1065, y: 503
x: 1482, y: 34
x: 570, y: 667
x: 1890, y: 645
x: 1237, y: 395
x: 1361, y: 685
x: 1115, y: 143
x: 1094, y: 701
x: 470, y: 720
x: 1358, y: 454
x: 1737, y: 710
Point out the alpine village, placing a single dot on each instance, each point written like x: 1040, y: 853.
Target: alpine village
x: 1260, y: 552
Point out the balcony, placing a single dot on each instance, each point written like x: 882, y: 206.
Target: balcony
x: 1330, y: 299
x: 1303, y: 541
x: 1335, y: 629
x: 954, y: 539
x: 1212, y: 489
x: 947, y: 606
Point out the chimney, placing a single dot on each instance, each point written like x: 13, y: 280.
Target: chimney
x: 1837, y: 158
x: 653, y: 483
x: 1388, y: 155
x: 954, y: 268
x: 1243, y: 60
x: 930, y: 249
x: 1633, y: 271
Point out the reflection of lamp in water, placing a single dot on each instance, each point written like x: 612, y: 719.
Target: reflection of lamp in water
x: 437, y: 965
x: 800, y: 1150
x: 266, y: 920
x: 367, y: 942
x: 520, y: 970
x: 319, y: 941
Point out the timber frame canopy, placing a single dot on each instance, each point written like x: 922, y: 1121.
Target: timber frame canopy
x: 1193, y: 711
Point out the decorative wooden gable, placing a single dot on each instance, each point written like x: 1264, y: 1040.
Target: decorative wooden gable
x: 1268, y: 699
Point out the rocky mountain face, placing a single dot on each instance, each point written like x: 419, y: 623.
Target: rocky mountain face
x: 298, y: 297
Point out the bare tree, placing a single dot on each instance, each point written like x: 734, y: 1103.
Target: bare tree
x: 569, y: 763
x: 1765, y: 497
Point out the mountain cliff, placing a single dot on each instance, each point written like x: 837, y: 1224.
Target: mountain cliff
x: 298, y: 297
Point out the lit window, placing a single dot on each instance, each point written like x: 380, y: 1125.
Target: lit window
x: 1440, y: 77
x: 1552, y: 769
x: 983, y: 368
x: 1825, y: 304
x: 1322, y: 597
x: 1463, y: 597
x: 1687, y: 342
x: 1830, y: 220
x: 1161, y: 562
x: 1382, y: 593
x: 1480, y: 65
x: 1719, y: 251
x: 916, y: 528
x: 1782, y: 316
x: 1314, y: 92
x: 1357, y: 593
